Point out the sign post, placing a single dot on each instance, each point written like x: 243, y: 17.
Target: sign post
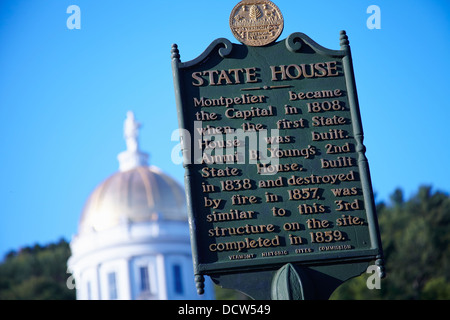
x: 278, y: 185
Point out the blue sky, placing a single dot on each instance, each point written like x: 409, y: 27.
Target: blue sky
x: 64, y: 94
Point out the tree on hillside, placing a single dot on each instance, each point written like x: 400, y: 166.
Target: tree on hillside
x: 36, y: 273
x: 416, y: 242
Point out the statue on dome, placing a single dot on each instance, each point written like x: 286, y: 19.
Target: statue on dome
x: 131, y: 132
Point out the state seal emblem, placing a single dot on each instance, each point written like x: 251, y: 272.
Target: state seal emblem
x: 256, y: 23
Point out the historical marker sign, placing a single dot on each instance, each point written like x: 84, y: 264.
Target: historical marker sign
x: 276, y: 172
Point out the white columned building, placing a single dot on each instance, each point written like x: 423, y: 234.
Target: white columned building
x: 133, y: 235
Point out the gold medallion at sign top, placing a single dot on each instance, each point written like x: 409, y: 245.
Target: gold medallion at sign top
x: 256, y: 23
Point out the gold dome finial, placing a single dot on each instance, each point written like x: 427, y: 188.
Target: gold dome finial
x: 132, y: 157
x: 131, y: 132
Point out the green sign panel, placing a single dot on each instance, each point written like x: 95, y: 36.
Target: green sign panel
x: 276, y: 172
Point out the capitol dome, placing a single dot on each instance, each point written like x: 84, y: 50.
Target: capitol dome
x: 133, y: 236
x: 136, y: 195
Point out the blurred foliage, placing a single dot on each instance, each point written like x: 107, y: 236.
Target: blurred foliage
x: 415, y: 235
x: 36, y: 273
